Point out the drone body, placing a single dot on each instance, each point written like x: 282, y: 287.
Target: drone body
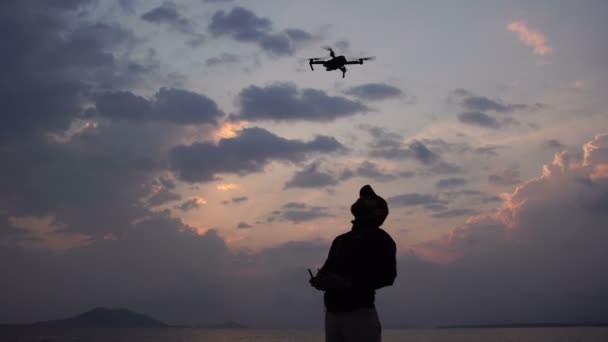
x: 336, y: 62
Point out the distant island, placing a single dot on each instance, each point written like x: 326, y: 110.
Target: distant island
x: 105, y: 317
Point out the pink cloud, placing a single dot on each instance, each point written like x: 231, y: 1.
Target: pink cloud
x: 564, y: 209
x: 531, y: 37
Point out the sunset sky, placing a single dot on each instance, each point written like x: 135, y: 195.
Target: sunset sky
x: 180, y: 158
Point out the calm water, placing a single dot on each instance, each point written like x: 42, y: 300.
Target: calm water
x: 200, y: 335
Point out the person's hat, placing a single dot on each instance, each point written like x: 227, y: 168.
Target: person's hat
x: 370, y: 207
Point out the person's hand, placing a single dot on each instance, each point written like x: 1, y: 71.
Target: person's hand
x: 329, y: 281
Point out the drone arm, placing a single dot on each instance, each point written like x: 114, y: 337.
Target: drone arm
x: 354, y: 62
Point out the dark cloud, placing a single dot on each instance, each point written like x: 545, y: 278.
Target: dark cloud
x: 249, y: 152
x: 448, y: 183
x: 245, y: 26
x: 284, y: 102
x: 297, y: 212
x: 389, y: 145
x: 472, y: 103
x: 243, y: 225
x: 422, y: 153
x: 91, y: 185
x: 374, y: 91
x: 298, y: 35
x: 163, y: 196
x: 553, y: 144
x: 382, y: 138
x: 369, y: 170
x: 534, y: 262
x: 311, y: 177
x: 55, y: 59
x: 236, y: 200
x: 482, y: 104
x: 479, y: 119
x: 191, y: 204
x: 506, y: 177
x: 414, y: 199
x: 455, y: 213
x: 224, y: 59
x: 172, y: 105
x: 168, y: 14
x: 128, y: 6
x: 488, y: 150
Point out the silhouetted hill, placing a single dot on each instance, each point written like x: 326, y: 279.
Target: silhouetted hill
x: 226, y: 325
x: 105, y: 317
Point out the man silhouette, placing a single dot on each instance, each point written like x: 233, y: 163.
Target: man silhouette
x: 359, y: 262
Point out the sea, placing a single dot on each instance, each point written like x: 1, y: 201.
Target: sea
x: 566, y: 334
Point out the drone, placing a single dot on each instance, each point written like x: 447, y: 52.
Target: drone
x: 335, y: 63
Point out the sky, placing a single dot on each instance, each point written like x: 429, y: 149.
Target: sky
x: 180, y: 158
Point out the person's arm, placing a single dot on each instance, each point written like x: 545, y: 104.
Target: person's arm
x: 381, y: 268
x: 327, y: 278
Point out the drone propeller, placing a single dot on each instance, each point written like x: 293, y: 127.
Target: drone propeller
x: 331, y: 52
x: 366, y: 59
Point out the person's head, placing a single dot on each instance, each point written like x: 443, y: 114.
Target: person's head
x: 370, y: 208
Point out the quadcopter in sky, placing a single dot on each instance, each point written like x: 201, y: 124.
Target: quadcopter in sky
x: 336, y: 62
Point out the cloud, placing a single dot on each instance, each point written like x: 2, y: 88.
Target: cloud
x: 192, y: 203
x: 553, y: 144
x: 95, y: 182
x: 370, y: 170
x: 284, y: 102
x: 246, y: 153
x: 479, y: 119
x: 455, y: 213
x: 311, y: 177
x: 422, y: 153
x: 171, y: 105
x: 162, y: 196
x: 389, y: 145
x: 374, y: 91
x: 245, y: 26
x: 448, y: 183
x: 545, y: 221
x: 224, y: 59
x: 530, y: 37
x: 416, y: 199
x: 298, y: 212
x: 482, y: 103
x: 506, y: 177
x: 244, y: 225
x: 236, y: 200
x: 168, y: 14
x: 529, y: 252
x: 54, y: 64
x: 298, y: 35
x: 474, y: 103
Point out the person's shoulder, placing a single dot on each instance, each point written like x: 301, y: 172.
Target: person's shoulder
x: 384, y: 236
x: 342, y: 236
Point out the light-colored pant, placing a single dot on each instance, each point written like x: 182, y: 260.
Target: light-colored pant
x: 361, y: 325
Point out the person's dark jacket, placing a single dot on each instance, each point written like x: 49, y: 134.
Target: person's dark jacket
x: 366, y: 257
